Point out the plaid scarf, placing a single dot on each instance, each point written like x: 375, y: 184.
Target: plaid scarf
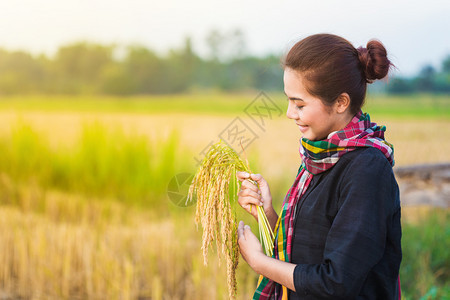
x: 317, y: 157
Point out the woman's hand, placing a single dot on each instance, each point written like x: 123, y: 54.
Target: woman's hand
x: 251, y: 196
x: 249, y: 246
x: 251, y: 250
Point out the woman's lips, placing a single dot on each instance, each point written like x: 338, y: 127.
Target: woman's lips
x: 303, y: 128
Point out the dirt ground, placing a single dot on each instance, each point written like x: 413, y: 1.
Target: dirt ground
x: 427, y: 184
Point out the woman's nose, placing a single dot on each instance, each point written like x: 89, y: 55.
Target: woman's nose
x: 291, y: 113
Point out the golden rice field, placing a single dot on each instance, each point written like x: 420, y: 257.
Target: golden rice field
x: 82, y: 216
x: 62, y: 246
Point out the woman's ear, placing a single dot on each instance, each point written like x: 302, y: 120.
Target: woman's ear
x: 342, y: 103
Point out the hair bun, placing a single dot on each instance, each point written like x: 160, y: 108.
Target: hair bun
x: 374, y: 61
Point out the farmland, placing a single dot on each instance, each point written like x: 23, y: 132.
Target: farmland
x: 84, y: 210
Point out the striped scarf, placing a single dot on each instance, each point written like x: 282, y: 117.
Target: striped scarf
x: 317, y: 157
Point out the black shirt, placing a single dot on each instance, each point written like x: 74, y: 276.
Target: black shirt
x: 347, y: 231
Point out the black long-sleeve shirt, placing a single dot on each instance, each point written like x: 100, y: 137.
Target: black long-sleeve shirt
x: 347, y: 231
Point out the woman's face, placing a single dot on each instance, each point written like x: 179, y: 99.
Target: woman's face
x: 315, y: 119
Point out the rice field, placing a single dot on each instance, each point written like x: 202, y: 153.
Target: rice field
x: 84, y: 209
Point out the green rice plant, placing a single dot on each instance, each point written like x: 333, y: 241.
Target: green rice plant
x: 102, y: 161
x: 215, y: 212
x: 425, y: 267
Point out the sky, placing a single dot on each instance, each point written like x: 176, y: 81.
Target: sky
x: 415, y: 33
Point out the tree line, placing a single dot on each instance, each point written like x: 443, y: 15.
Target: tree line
x: 84, y: 67
x: 91, y: 68
x: 429, y: 80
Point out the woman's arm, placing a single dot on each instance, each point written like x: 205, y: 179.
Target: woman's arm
x: 251, y: 250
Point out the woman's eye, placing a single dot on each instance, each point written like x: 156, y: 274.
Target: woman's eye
x: 297, y: 106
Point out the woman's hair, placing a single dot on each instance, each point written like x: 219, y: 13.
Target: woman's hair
x: 332, y: 66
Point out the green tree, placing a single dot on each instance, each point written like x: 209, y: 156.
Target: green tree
x: 214, y: 40
x: 425, y: 80
x: 446, y: 65
x: 145, y: 70
x: 399, y: 85
x: 19, y: 73
x: 78, y: 67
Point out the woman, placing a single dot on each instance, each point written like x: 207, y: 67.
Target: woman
x: 338, y: 234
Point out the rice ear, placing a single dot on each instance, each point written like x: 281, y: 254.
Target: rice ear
x: 215, y: 212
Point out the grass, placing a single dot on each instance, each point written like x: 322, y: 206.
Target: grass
x: 423, y: 106
x: 425, y: 268
x: 211, y: 103
x: 417, y: 106
x: 103, y: 162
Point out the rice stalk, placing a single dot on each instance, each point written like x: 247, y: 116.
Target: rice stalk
x: 213, y: 183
